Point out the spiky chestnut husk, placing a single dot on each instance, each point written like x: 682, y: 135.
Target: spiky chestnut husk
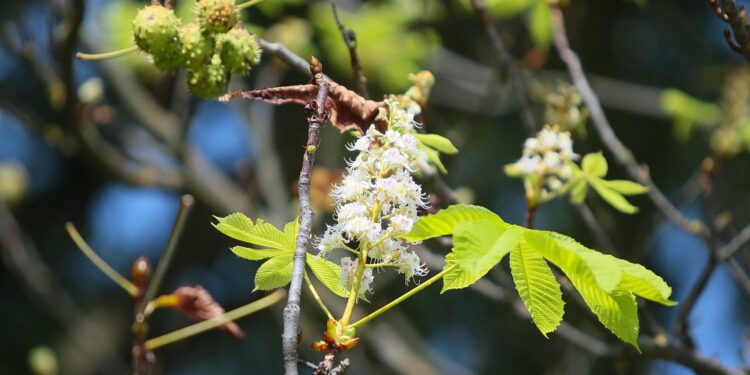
x: 156, y: 30
x: 217, y: 16
x: 239, y: 50
x: 197, y: 46
x: 209, y: 81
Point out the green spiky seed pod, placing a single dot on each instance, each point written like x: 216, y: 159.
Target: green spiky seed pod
x: 209, y: 81
x: 168, y: 61
x: 155, y: 30
x: 197, y: 47
x: 239, y: 50
x: 217, y: 16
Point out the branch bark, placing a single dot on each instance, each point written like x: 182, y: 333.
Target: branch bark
x: 316, y: 116
x: 609, y: 138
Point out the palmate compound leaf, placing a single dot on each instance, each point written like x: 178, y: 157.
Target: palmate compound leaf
x: 274, y: 273
x: 537, y: 286
x: 260, y: 233
x: 443, y: 222
x: 328, y: 273
x: 477, y: 247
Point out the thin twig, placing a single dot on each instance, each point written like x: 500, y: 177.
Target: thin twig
x: 316, y: 116
x: 505, y: 63
x: 735, y: 244
x: 350, y: 39
x: 685, y: 356
x: 186, y: 204
x: 216, y: 322
x: 609, y: 138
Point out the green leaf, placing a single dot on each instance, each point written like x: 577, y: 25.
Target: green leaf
x: 477, y: 247
x: 595, y: 276
x: 578, y: 191
x: 626, y: 187
x: 573, y: 258
x: 507, y: 8
x: 594, y: 164
x: 443, y: 222
x: 688, y: 111
x: 437, y: 142
x: 274, y: 273
x: 612, y: 197
x: 537, y: 286
x: 262, y: 234
x: 291, y: 229
x: 328, y: 273
x: 642, y: 282
x: 617, y: 310
x: 434, y: 158
x: 258, y: 254
x: 540, y: 24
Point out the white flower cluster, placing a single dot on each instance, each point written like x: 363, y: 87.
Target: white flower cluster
x: 377, y: 202
x: 546, y: 157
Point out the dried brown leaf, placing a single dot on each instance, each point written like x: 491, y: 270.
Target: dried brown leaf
x: 197, y: 303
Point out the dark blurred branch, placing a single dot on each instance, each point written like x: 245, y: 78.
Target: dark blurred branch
x: 350, y: 39
x: 316, y: 116
x: 735, y: 16
x: 684, y: 356
x: 735, y: 244
x: 614, y: 145
x: 507, y: 66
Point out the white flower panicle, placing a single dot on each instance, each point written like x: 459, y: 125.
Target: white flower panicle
x: 378, y: 201
x: 546, y: 157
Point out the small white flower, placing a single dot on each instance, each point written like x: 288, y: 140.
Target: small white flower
x: 401, y: 224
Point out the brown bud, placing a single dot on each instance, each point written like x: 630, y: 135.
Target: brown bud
x: 140, y: 273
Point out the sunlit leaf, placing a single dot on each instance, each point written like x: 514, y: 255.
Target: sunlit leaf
x: 274, y: 273
x: 260, y: 233
x: 328, y: 273
x: 594, y: 164
x: 443, y: 222
x: 258, y: 254
x: 438, y: 142
x: 537, y: 286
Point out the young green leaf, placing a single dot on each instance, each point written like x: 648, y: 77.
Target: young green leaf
x: 537, y: 286
x: 258, y: 254
x: 626, y: 187
x: 328, y: 273
x: 578, y: 191
x: 574, y: 258
x: 612, y: 197
x: 477, y: 247
x: 260, y: 233
x: 443, y: 222
x: 437, y: 142
x: 540, y: 24
x: 617, y: 310
x: 434, y: 158
x: 508, y: 8
x: 274, y: 273
x: 594, y: 164
x: 642, y: 282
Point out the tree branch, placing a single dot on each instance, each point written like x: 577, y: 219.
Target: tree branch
x: 316, y: 116
x: 609, y: 138
x: 505, y: 64
x: 736, y: 17
x: 350, y: 39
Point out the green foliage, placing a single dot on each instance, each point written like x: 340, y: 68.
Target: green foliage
x: 433, y: 145
x: 594, y: 168
x: 688, y: 112
x: 607, y: 284
x: 277, y: 248
x: 537, y: 286
x: 388, y: 46
x: 539, y: 21
x: 540, y: 24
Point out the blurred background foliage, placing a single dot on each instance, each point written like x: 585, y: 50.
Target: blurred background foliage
x: 672, y: 88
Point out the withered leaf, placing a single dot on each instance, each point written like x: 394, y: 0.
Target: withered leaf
x: 348, y: 110
x: 197, y: 303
